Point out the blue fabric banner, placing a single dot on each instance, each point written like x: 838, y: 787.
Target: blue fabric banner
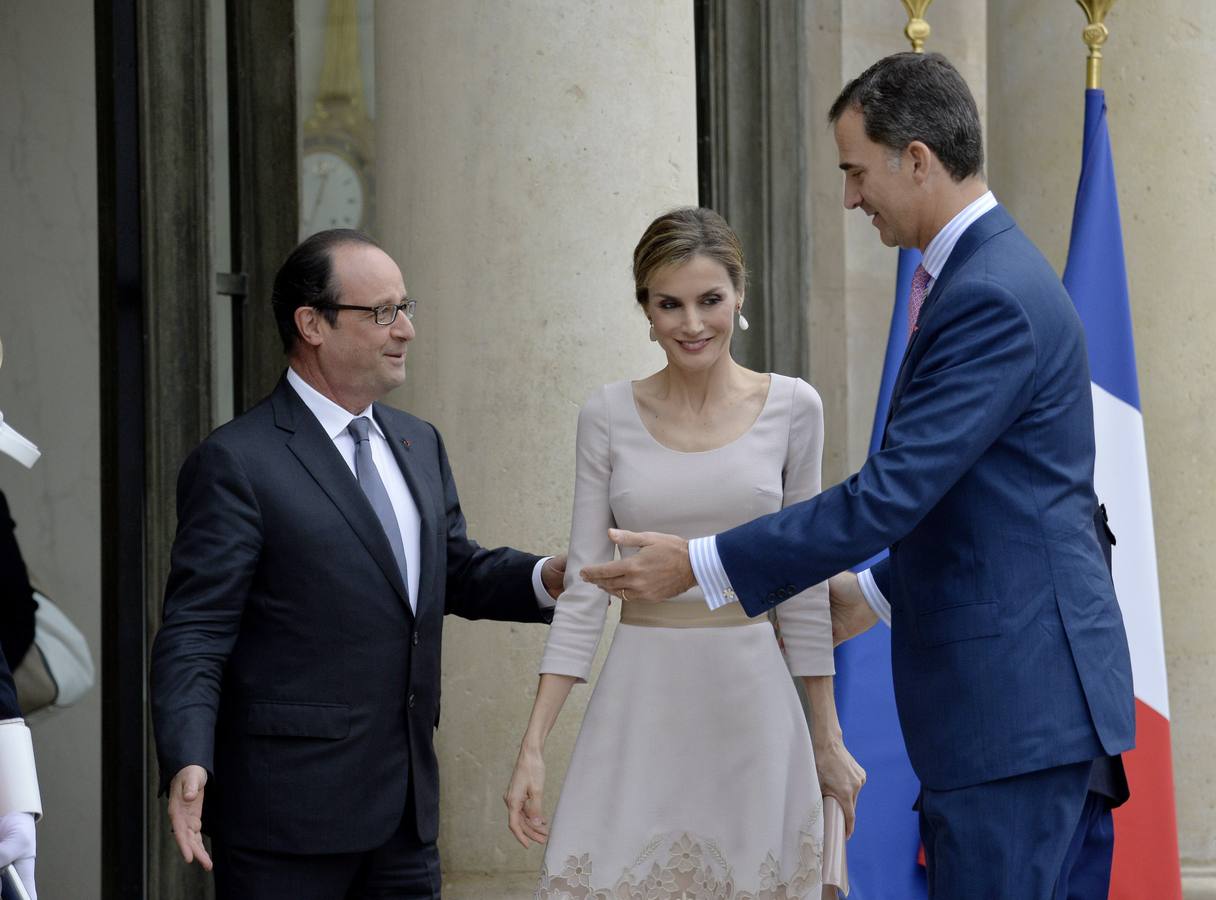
x: 1096, y: 274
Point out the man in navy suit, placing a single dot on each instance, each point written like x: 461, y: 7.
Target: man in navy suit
x: 320, y: 543
x: 1011, y: 668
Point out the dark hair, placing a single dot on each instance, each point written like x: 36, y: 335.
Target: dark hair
x: 306, y: 278
x: 675, y: 237
x: 910, y: 97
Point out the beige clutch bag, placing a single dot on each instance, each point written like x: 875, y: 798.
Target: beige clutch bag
x: 835, y: 864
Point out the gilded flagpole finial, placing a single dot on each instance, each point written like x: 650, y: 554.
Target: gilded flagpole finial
x: 917, y: 30
x: 1094, y: 36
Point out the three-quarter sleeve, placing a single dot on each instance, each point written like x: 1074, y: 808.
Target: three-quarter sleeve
x: 805, y: 619
x: 578, y: 620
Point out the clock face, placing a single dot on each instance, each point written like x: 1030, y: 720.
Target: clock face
x: 332, y: 193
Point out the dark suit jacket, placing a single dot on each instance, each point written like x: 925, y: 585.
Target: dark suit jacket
x: 8, y: 692
x: 17, y: 604
x: 1008, y: 649
x: 16, y: 611
x: 289, y: 664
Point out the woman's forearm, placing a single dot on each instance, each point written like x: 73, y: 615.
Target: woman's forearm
x: 551, y: 695
x: 825, y: 726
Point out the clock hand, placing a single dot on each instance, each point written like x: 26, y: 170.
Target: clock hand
x: 312, y: 216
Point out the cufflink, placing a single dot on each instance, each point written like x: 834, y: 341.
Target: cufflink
x: 729, y: 595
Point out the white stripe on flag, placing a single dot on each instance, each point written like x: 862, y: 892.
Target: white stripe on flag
x: 1121, y: 481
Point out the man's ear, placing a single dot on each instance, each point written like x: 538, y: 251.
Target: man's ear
x: 922, y: 158
x: 308, y: 325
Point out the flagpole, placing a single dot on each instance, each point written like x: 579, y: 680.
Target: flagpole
x: 1094, y: 36
x: 917, y: 29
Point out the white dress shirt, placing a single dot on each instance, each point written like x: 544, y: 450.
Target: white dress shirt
x: 703, y: 552
x: 335, y: 421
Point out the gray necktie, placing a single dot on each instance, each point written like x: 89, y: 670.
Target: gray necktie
x: 373, y: 487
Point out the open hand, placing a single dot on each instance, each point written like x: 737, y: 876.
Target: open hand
x: 525, y: 799
x: 841, y: 777
x: 658, y: 571
x: 851, y: 615
x: 186, y: 814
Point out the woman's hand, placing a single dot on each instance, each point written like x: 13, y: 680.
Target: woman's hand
x: 525, y: 799
x: 841, y: 777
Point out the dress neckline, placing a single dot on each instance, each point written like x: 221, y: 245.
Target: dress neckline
x: 637, y: 414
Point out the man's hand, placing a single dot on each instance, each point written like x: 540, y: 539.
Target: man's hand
x: 18, y: 845
x: 851, y: 615
x: 186, y: 814
x: 553, y: 575
x: 841, y: 777
x: 659, y: 570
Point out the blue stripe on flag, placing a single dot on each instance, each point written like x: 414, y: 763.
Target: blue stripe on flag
x: 882, y: 852
x: 1096, y: 275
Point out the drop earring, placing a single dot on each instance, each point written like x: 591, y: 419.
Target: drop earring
x: 654, y: 337
x: 743, y: 324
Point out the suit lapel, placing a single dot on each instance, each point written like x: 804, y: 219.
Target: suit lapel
x: 316, y: 452
x: 423, y: 483
x: 986, y: 226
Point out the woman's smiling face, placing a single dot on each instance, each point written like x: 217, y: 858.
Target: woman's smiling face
x: 692, y: 307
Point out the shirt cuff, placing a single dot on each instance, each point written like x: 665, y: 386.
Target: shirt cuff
x: 874, y: 597
x: 18, y: 776
x: 707, y: 569
x: 543, y: 600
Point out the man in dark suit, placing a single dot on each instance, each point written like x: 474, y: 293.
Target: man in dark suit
x: 1011, y: 668
x: 320, y: 543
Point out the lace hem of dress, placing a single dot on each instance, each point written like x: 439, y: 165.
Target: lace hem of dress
x: 687, y: 866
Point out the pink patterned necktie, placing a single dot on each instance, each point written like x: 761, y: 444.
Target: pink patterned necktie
x: 916, y: 296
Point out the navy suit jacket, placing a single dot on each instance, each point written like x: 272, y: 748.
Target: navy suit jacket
x: 289, y: 664
x: 1008, y: 648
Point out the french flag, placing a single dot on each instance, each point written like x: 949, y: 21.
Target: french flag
x: 1146, y: 836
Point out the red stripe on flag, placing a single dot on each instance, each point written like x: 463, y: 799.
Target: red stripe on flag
x: 1146, y: 831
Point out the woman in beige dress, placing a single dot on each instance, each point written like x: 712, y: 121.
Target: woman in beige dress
x: 694, y: 775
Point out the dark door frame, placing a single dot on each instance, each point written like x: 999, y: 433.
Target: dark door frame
x: 156, y: 295
x: 753, y: 90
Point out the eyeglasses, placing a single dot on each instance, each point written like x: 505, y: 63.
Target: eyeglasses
x: 385, y: 315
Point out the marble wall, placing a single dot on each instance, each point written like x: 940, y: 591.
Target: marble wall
x: 522, y: 147
x: 48, y: 386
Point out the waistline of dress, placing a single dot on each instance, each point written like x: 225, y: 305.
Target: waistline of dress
x: 685, y: 614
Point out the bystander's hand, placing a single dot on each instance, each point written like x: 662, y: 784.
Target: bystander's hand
x: 18, y: 846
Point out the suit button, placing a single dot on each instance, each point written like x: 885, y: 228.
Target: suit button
x: 414, y: 639
x: 410, y: 701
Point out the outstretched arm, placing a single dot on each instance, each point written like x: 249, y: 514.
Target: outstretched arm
x: 485, y: 583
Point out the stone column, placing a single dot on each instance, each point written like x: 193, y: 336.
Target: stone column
x: 522, y: 148
x: 1160, y: 64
